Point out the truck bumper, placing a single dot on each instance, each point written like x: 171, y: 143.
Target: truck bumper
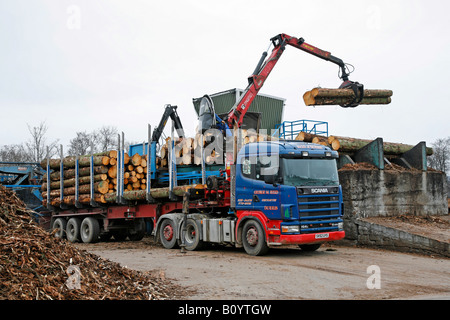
x: 293, y: 239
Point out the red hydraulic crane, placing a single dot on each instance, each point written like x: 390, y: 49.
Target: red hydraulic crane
x: 265, y: 66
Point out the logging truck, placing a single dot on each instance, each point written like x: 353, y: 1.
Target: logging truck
x: 277, y: 193
x: 262, y: 193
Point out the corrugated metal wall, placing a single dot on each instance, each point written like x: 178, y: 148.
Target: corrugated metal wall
x: 271, y: 108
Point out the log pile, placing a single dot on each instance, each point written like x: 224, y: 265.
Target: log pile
x: 347, y: 145
x: 322, y: 96
x: 34, y: 265
x: 105, y: 177
x: 188, y: 151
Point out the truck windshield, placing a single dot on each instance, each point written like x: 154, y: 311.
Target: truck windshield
x: 310, y: 172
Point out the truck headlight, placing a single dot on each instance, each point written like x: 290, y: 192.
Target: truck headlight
x: 290, y: 229
x: 339, y: 225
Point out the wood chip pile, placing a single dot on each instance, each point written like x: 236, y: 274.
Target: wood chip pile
x: 34, y: 265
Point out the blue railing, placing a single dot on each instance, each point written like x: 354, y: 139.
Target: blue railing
x: 289, y: 130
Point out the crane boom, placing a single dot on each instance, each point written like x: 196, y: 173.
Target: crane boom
x: 265, y: 66
x: 169, y: 111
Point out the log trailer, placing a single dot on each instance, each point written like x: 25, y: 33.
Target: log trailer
x: 262, y: 195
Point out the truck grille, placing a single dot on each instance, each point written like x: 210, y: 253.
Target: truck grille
x: 318, y: 205
x: 319, y: 212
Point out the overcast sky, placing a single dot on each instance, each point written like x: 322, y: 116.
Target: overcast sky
x: 83, y: 64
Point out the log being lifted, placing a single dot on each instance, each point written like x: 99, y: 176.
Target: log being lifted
x: 156, y: 193
x: 322, y: 96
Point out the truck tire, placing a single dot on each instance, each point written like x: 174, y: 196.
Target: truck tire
x: 73, y: 229
x: 60, y: 226
x: 138, y: 232
x: 254, y: 238
x: 167, y: 234
x: 90, y: 230
x: 310, y: 247
x: 192, y: 236
x: 119, y: 234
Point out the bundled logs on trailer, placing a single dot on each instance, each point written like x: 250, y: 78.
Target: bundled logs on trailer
x: 322, y: 96
x: 104, y: 178
x: 187, y: 151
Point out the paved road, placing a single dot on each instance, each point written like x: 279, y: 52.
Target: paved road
x: 332, y: 272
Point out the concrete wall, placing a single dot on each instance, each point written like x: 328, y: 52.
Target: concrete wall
x: 382, y: 193
x: 375, y: 193
x: 376, y: 235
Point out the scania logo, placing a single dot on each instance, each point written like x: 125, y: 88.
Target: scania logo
x: 319, y: 190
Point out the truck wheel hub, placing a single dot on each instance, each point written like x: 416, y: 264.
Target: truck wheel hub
x: 168, y: 232
x: 252, y: 237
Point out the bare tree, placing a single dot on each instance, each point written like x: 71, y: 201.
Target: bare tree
x: 81, y: 144
x: 106, y: 138
x: 14, y: 153
x: 440, y: 160
x: 37, y: 145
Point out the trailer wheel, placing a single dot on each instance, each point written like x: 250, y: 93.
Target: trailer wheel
x: 167, y: 234
x: 119, y: 234
x: 253, y: 239
x: 138, y: 232
x: 73, y: 230
x: 60, y: 226
x: 192, y: 236
x: 90, y: 230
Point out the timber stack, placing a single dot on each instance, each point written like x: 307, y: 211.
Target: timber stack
x: 188, y: 151
x: 105, y: 177
x: 322, y: 96
x: 349, y: 146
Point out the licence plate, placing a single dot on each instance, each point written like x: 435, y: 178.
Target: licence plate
x: 322, y: 235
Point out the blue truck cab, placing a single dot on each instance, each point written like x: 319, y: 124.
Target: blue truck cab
x: 293, y: 189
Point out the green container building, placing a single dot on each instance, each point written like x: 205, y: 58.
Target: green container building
x: 265, y: 112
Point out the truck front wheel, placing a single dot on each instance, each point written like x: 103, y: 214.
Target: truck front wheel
x: 167, y: 234
x: 253, y: 238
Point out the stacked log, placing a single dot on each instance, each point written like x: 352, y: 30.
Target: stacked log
x: 251, y: 136
x: 188, y: 151
x: 156, y: 193
x: 322, y: 96
x: 103, y: 162
x: 347, y: 144
x: 350, y: 145
x: 135, y: 174
x: 105, y: 177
